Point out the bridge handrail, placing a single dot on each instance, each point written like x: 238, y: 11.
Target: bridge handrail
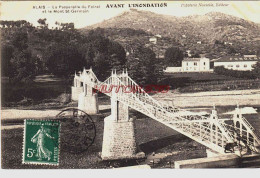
x: 247, y: 123
x: 224, y: 131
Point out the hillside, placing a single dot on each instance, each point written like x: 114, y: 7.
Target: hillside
x: 209, y: 27
x: 229, y: 30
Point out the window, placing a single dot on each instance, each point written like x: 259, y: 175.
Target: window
x: 204, y: 63
x: 230, y: 65
x: 187, y: 68
x: 195, y: 63
x: 237, y: 66
x: 187, y: 63
x: 245, y: 66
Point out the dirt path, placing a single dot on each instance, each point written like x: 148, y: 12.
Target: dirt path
x: 8, y: 114
x: 27, y: 114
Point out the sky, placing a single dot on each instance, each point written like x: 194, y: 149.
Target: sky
x: 23, y: 10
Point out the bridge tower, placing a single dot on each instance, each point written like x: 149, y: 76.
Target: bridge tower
x: 77, y: 88
x: 213, y: 135
x: 244, y: 131
x: 87, y: 99
x: 119, y: 141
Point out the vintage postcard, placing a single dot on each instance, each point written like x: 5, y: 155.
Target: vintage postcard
x: 130, y: 84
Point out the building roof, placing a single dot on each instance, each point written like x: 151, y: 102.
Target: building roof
x: 191, y: 59
x: 237, y: 59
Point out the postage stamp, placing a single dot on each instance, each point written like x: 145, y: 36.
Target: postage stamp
x: 41, y: 142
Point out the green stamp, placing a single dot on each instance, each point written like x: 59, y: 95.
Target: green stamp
x: 41, y: 142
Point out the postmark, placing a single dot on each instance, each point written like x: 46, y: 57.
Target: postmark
x: 78, y: 131
x: 41, y: 142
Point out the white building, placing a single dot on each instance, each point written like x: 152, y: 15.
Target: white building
x: 153, y: 40
x: 195, y: 64
x: 243, y: 63
x: 188, y: 52
x: 192, y: 65
x: 250, y: 55
x: 158, y: 36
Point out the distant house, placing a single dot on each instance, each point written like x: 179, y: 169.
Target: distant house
x: 188, y: 53
x: 228, y: 43
x: 198, y: 42
x: 153, y: 40
x: 250, y: 55
x: 161, y: 56
x: 244, y: 63
x: 192, y: 65
x: 195, y: 64
x: 173, y: 69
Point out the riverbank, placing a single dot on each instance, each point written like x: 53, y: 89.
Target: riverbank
x: 210, y: 98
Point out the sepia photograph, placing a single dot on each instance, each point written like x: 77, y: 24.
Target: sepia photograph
x: 130, y: 84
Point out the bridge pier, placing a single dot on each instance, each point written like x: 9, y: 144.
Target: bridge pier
x: 82, y: 91
x: 88, y: 101
x: 76, y: 89
x: 211, y: 153
x: 119, y: 140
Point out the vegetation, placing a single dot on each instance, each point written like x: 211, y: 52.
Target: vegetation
x: 173, y: 57
x: 163, y: 141
x: 222, y: 85
x: 28, y: 51
x: 17, y: 59
x: 143, y: 66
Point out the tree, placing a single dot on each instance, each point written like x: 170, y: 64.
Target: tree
x: 143, y: 66
x: 43, y: 23
x: 6, y: 56
x: 173, y: 57
x: 67, y: 26
x: 101, y: 66
x: 63, y: 59
x: 258, y: 52
x: 256, y: 70
x: 231, y: 50
x: 117, y: 55
x: 196, y: 55
x: 102, y: 54
x: 20, y: 40
x: 22, y: 66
